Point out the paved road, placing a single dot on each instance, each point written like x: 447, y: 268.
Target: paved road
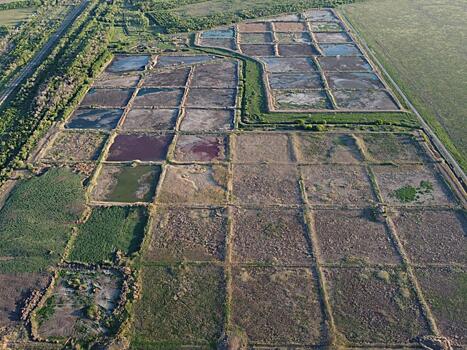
x: 41, y: 55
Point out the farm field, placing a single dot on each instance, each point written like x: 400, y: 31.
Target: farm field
x: 13, y: 17
x: 405, y: 35
x: 184, y: 228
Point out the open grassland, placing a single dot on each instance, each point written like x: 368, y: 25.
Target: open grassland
x: 37, y: 219
x: 420, y: 44
x: 13, y: 17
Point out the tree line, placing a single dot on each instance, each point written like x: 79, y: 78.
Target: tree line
x: 19, y: 4
x: 55, y: 88
x: 161, y: 12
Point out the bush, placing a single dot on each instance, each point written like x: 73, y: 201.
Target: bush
x: 319, y: 127
x: 92, y: 312
x: 3, y: 31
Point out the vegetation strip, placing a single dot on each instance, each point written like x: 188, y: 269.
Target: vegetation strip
x: 19, y: 45
x: 28, y: 116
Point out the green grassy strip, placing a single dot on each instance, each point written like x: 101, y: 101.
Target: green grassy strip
x: 36, y: 221
x: 140, y: 343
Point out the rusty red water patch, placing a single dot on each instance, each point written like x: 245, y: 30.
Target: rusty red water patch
x: 139, y: 147
x: 200, y: 148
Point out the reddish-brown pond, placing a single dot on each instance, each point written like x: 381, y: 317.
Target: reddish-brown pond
x: 139, y: 147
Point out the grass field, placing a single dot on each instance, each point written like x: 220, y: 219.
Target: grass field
x: 36, y: 221
x: 109, y: 229
x: 420, y: 43
x: 12, y: 18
